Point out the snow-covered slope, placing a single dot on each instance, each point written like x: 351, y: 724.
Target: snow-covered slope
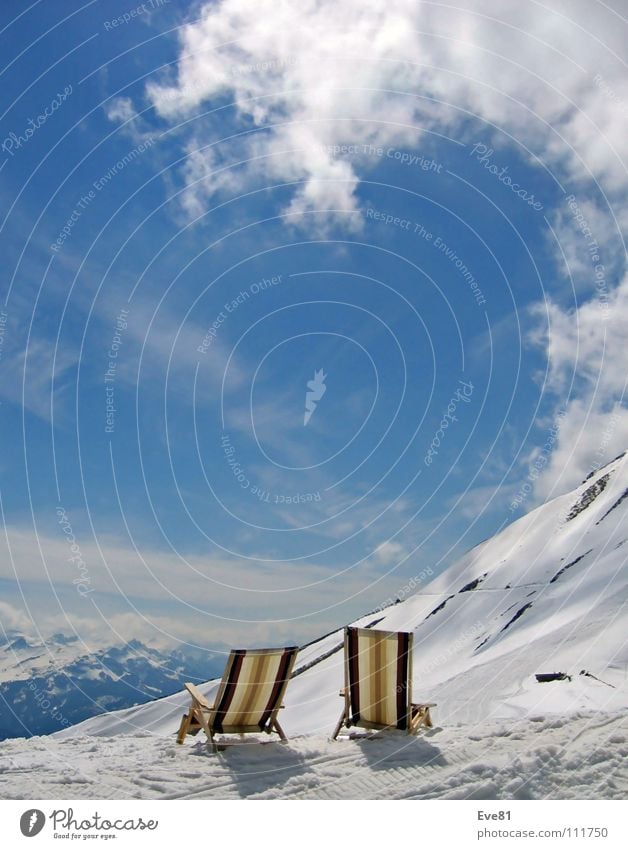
x: 548, y: 594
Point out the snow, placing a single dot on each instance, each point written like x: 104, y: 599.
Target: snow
x: 582, y: 756
x: 500, y: 733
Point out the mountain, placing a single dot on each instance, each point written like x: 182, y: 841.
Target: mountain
x: 49, y: 685
x: 546, y: 595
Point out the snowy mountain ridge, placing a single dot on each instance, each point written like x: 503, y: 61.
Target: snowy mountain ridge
x: 49, y: 684
x: 547, y: 594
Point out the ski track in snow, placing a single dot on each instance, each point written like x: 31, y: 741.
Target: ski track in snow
x: 580, y: 756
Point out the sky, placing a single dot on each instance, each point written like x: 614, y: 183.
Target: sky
x: 300, y: 301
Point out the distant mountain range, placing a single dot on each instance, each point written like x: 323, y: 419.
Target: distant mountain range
x: 48, y: 686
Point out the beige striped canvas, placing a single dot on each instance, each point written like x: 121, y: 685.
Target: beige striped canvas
x: 251, y: 689
x: 378, y: 675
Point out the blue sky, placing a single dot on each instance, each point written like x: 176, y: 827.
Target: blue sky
x: 203, y: 208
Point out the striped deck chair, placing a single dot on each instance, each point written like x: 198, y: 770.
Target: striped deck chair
x: 378, y: 682
x: 248, y: 698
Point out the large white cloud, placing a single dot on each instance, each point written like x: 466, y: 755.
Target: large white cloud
x: 547, y: 78
x: 320, y: 74
x: 586, y: 348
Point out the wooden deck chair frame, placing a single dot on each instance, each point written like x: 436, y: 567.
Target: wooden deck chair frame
x: 410, y: 715
x: 216, y: 718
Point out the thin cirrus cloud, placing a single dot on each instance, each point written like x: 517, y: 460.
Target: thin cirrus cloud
x: 219, y: 599
x: 33, y: 377
x: 544, y: 79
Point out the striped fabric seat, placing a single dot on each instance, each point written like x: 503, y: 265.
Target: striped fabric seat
x: 248, y: 698
x: 378, y: 682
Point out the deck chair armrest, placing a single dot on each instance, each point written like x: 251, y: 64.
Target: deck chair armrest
x: 424, y: 704
x: 198, y: 696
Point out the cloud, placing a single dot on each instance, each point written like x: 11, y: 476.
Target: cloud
x: 121, y: 109
x: 304, y: 93
x: 590, y: 436
x: 91, y: 629
x: 308, y: 78
x: 12, y: 618
x: 585, y: 348
x: 585, y: 237
x: 268, y: 91
x: 33, y: 377
x: 113, y: 591
x: 389, y: 552
x: 167, y: 343
x: 472, y: 503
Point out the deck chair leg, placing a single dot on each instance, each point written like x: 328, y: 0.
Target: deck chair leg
x: 211, y: 743
x: 279, y: 731
x: 183, y: 728
x: 422, y: 717
x: 208, y: 731
x: 339, y: 725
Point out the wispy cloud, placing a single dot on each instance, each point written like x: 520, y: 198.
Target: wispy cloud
x: 175, y: 596
x: 33, y: 376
